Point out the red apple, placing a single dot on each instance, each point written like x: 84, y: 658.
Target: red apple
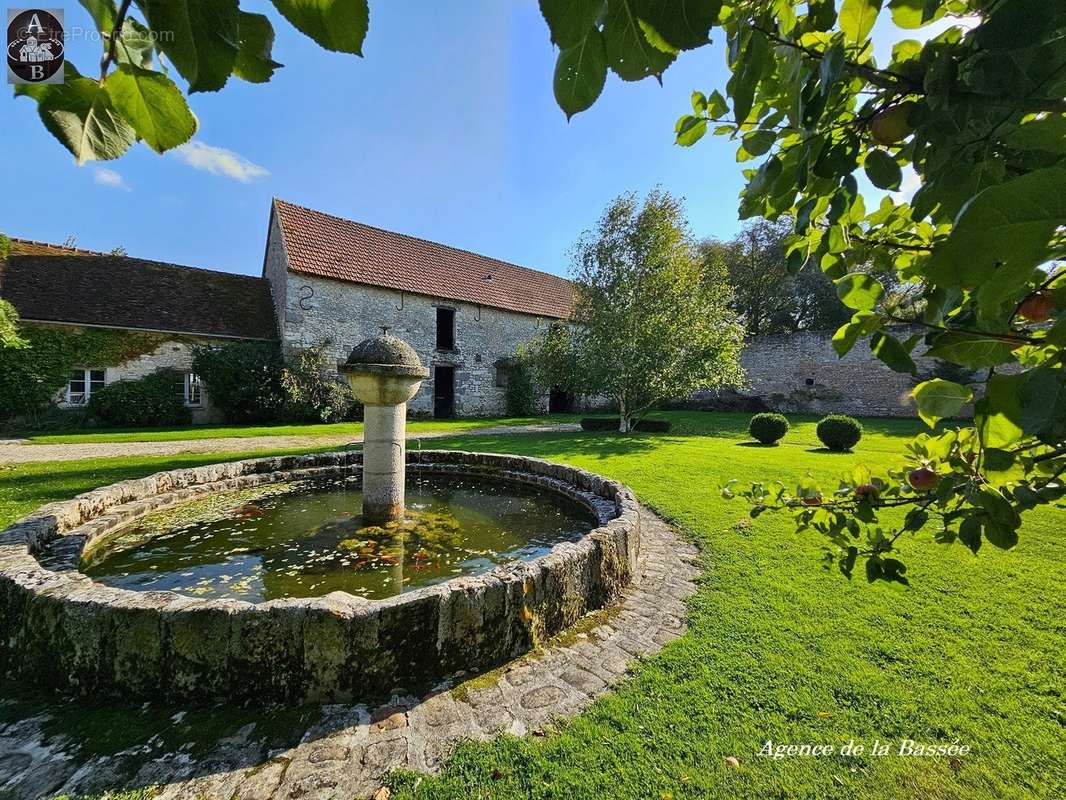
x: 867, y: 492
x: 923, y: 479
x: 1037, y: 307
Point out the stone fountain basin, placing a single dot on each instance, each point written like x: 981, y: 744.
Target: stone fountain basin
x: 59, y: 629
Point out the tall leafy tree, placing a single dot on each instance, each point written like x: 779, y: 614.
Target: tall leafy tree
x: 648, y: 325
x: 977, y: 113
x: 768, y: 297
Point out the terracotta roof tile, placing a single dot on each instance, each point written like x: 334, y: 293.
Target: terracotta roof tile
x: 50, y: 283
x: 330, y: 247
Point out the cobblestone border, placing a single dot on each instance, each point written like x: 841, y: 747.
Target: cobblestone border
x: 347, y: 752
x: 63, y: 630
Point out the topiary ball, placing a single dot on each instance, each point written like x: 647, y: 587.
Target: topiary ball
x: 768, y: 428
x: 839, y: 432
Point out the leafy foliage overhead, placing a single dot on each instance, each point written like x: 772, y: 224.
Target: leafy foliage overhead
x: 136, y: 98
x: 975, y: 117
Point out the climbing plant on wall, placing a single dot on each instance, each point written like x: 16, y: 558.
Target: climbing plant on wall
x: 34, y: 374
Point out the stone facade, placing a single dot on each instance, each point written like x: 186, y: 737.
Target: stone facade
x: 801, y: 373
x: 173, y: 354
x: 312, y: 310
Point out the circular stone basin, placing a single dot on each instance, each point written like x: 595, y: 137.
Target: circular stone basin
x: 537, y: 546
x: 306, y: 539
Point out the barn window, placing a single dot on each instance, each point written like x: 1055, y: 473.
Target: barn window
x: 82, y: 384
x: 445, y: 328
x: 194, y: 390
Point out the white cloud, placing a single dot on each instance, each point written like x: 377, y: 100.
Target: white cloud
x: 219, y: 161
x: 910, y: 184
x: 108, y: 177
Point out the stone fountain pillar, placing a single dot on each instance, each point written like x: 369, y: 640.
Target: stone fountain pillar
x: 384, y: 373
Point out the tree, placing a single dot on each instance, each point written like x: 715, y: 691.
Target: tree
x: 203, y: 41
x: 9, y: 318
x: 647, y: 326
x: 978, y: 114
x: 768, y: 298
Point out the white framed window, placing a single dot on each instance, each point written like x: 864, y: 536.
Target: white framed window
x: 82, y: 384
x: 194, y: 390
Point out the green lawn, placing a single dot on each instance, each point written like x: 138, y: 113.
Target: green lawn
x: 236, y: 431
x: 779, y: 649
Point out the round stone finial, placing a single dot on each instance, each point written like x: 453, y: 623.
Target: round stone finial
x: 385, y: 354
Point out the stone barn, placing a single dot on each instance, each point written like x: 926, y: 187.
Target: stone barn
x: 465, y: 314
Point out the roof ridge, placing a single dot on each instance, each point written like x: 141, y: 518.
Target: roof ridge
x: 150, y: 261
x: 423, y: 240
x: 54, y: 246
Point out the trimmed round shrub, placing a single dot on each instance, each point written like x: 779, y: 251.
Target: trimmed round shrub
x: 839, y: 432
x: 768, y: 428
x: 152, y: 401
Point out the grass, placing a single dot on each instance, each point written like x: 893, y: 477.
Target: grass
x: 779, y: 649
x: 241, y: 431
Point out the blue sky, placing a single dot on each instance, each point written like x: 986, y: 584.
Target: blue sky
x: 447, y: 129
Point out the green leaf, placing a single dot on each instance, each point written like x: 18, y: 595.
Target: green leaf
x: 629, y: 54
x: 910, y: 14
x: 862, y: 323
x: 580, y: 73
x: 570, y: 20
x: 254, y: 62
x: 79, y: 114
x: 883, y: 170
x: 859, y: 291
x: 1002, y: 521
x: 998, y: 414
x: 1016, y: 24
x: 103, y: 12
x: 1043, y: 391
x: 203, y: 44
x: 1045, y: 133
x: 135, y: 45
x: 1003, y: 233
x: 153, y: 105
x: 970, y: 533
x: 338, y: 25
x: 756, y: 143
x: 895, y: 356
x: 690, y: 130
x: 938, y: 399
x: 857, y: 18
x: 973, y: 350
x: 681, y: 24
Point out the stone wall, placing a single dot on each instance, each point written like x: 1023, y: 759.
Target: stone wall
x: 801, y: 373
x: 60, y: 629
x: 317, y: 309
x: 172, y: 354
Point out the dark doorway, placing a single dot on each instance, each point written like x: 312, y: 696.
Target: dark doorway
x: 560, y: 401
x: 443, y: 392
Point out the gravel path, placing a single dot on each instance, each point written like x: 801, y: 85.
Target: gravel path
x: 347, y: 752
x: 17, y: 453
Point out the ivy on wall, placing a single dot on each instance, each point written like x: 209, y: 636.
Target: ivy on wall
x: 33, y: 375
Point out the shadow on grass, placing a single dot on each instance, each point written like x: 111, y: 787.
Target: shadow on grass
x: 825, y: 451
x: 757, y: 444
x: 605, y: 444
